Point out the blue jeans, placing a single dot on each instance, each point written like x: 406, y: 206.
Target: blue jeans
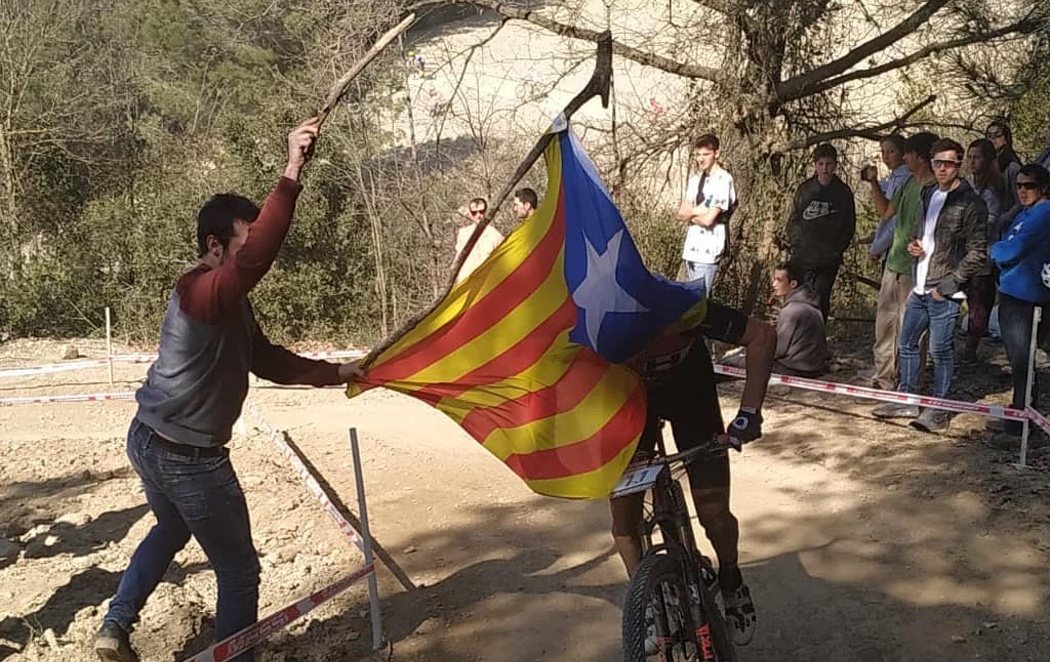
x: 201, y: 497
x: 702, y: 270
x: 922, y: 313
x: 1015, y: 323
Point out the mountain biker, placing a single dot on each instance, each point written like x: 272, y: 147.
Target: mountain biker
x: 679, y: 375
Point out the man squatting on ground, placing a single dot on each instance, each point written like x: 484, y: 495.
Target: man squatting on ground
x: 209, y: 342
x: 680, y: 379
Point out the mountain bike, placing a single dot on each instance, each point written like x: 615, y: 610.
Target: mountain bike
x: 670, y: 613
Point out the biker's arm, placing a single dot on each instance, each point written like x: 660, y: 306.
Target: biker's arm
x: 731, y: 326
x: 761, y: 342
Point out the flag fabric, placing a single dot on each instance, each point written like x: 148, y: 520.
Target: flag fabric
x: 526, y: 353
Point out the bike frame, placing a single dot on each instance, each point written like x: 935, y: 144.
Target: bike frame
x: 671, y: 514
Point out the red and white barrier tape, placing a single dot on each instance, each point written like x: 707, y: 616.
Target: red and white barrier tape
x: 1038, y: 419
x: 277, y: 437
x: 142, y: 358
x: 992, y: 411
x: 81, y: 397
x: 252, y: 635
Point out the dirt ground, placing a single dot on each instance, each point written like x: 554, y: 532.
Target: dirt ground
x: 862, y: 540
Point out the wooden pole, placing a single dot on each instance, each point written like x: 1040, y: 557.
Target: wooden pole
x: 109, y: 344
x: 343, y: 84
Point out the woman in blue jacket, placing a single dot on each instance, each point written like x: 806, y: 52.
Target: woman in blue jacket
x: 1023, y: 258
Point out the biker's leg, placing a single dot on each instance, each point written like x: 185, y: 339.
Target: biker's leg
x: 722, y: 529
x: 626, y: 524
x: 710, y: 488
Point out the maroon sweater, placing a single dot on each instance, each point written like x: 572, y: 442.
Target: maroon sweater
x: 210, y: 341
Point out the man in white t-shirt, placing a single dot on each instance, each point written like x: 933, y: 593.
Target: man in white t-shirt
x: 709, y: 201
x: 950, y: 247
x: 488, y: 241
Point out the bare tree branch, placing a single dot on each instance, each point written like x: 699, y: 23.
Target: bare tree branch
x: 872, y: 132
x: 801, y: 85
x: 566, y: 30
x: 1023, y: 26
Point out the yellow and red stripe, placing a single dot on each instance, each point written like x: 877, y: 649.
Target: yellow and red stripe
x: 495, y: 356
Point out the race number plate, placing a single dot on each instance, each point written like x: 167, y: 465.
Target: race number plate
x: 637, y: 480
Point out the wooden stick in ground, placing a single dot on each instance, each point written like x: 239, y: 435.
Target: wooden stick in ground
x: 343, y: 84
x: 598, y: 85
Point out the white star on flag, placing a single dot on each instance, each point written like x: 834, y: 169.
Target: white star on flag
x: 600, y: 293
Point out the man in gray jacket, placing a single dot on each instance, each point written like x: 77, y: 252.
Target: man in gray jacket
x: 802, y: 343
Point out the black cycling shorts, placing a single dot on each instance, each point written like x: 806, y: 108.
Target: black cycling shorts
x: 686, y: 397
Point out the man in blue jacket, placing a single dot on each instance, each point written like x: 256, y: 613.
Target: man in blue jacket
x: 1023, y: 258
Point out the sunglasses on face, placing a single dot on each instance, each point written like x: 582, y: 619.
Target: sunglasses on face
x: 1028, y: 186
x: 945, y: 163
x: 477, y: 212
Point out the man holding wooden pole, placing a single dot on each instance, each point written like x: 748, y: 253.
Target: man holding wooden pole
x: 209, y: 342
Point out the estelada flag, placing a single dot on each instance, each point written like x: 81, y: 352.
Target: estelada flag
x: 525, y: 352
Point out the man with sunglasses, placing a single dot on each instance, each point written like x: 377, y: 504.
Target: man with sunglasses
x: 949, y: 248
x: 1023, y: 258
x: 488, y: 241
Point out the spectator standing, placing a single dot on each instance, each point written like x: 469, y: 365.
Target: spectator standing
x: 1006, y: 158
x: 488, y: 241
x: 1044, y: 157
x: 949, y: 249
x: 896, y: 285
x: 988, y: 182
x: 525, y: 202
x: 1023, y: 258
x: 802, y: 342
x: 822, y: 224
x: 708, y: 204
x: 882, y: 190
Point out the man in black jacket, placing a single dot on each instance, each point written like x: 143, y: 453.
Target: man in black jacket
x: 950, y: 247
x: 821, y: 226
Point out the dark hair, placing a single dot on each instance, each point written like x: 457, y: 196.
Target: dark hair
x: 707, y: 140
x: 1004, y: 129
x: 528, y: 196
x: 1039, y: 174
x: 896, y: 139
x: 793, y: 272
x: 479, y: 201
x: 921, y: 144
x: 825, y: 151
x: 217, y: 216
x: 948, y: 145
x: 990, y: 177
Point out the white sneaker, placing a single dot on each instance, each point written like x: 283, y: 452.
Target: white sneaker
x: 741, y: 616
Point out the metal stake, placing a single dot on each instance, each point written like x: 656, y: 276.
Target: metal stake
x: 1027, y: 425
x: 366, y: 534
x: 109, y: 344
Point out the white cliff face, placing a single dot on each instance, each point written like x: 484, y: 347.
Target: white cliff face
x: 472, y: 78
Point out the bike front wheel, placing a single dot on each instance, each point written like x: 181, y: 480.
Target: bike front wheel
x: 714, y: 626
x: 657, y: 618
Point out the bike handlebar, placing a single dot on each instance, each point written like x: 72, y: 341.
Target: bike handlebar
x: 718, y: 445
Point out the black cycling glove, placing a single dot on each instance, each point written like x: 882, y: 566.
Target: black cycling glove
x: 747, y: 426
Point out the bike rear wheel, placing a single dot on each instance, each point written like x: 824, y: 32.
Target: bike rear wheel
x: 657, y: 609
